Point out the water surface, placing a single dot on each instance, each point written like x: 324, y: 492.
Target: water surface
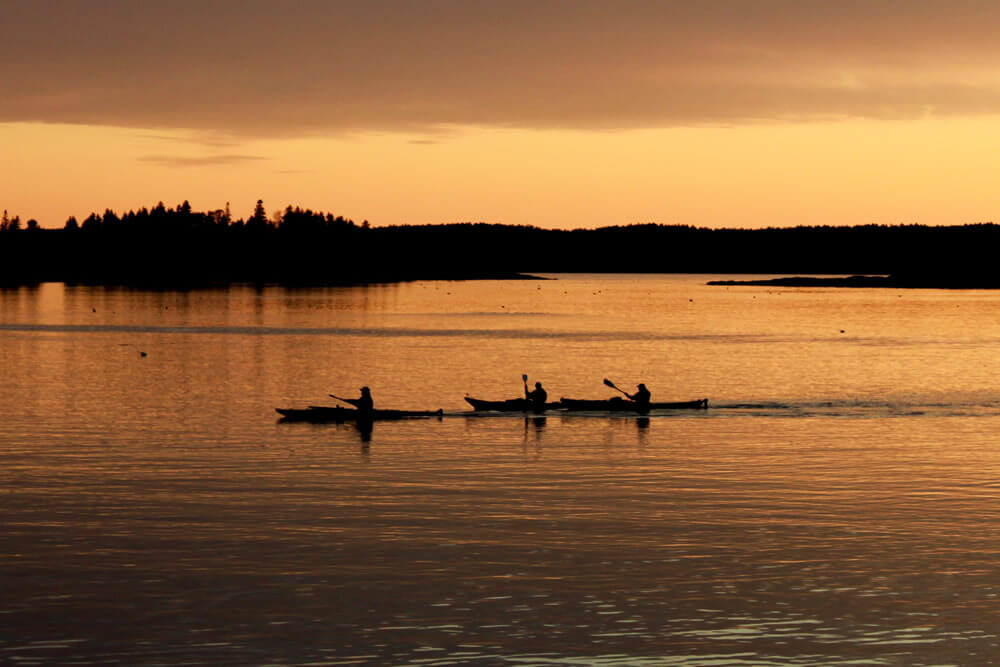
x: 836, y: 504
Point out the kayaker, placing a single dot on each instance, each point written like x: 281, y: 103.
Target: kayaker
x: 364, y: 404
x: 641, y: 396
x: 537, y: 396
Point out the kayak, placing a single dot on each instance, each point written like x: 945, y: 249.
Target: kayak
x: 510, y: 405
x: 318, y: 414
x: 575, y: 404
x: 621, y: 405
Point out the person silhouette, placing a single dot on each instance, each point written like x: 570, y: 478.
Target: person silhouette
x: 641, y: 397
x: 365, y: 404
x: 537, y: 396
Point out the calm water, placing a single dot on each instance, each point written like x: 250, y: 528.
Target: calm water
x: 839, y: 503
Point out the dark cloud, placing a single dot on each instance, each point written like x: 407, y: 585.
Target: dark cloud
x: 287, y: 68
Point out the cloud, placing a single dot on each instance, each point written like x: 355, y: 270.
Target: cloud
x: 263, y: 68
x: 203, y: 138
x: 205, y: 161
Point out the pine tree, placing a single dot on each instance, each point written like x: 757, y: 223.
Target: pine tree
x: 259, y: 218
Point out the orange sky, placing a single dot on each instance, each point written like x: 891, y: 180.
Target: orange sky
x: 568, y: 114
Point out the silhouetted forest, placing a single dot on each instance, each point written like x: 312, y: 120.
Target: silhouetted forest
x: 180, y: 247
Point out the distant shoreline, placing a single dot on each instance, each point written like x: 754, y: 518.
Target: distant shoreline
x: 869, y: 282
x: 181, y: 248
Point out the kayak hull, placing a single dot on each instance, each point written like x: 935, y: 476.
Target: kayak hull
x: 621, y: 405
x: 581, y: 405
x: 510, y: 405
x: 318, y: 414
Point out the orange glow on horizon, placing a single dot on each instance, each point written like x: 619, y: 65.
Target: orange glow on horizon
x: 925, y: 171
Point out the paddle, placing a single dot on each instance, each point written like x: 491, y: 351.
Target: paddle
x: 612, y: 385
x: 524, y: 378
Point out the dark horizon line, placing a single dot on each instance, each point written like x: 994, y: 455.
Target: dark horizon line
x: 301, y: 246
x: 702, y: 228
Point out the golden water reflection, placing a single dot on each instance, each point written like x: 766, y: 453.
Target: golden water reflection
x: 836, y: 503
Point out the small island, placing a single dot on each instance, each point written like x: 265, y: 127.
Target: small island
x: 956, y: 281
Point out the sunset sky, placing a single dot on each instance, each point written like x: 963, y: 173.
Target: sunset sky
x: 556, y: 114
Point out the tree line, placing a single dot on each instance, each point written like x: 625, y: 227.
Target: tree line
x: 13, y: 223
x: 178, y: 246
